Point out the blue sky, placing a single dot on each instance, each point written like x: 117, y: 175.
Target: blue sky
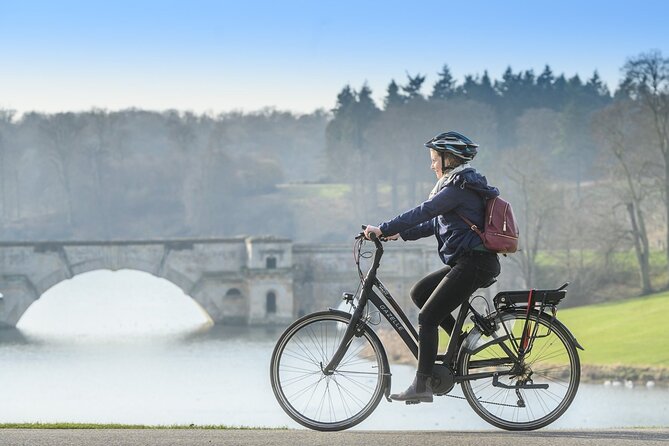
x: 296, y: 55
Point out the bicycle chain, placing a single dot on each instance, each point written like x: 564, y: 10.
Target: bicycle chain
x: 483, y: 401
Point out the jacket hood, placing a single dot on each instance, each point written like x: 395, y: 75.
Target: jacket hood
x: 473, y: 180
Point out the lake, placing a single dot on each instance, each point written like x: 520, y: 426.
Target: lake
x: 221, y: 376
x: 74, y: 359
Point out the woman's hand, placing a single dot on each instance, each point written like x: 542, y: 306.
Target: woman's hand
x: 372, y: 229
x: 378, y: 233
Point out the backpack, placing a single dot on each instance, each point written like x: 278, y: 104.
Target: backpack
x: 500, y: 232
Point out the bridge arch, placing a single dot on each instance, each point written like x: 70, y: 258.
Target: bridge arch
x: 89, y: 303
x: 203, y: 268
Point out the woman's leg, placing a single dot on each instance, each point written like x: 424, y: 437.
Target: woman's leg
x: 424, y: 288
x: 420, y: 389
x: 456, y: 286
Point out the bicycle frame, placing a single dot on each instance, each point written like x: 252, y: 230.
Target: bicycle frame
x: 394, y: 314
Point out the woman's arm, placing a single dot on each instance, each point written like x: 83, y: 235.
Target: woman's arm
x: 424, y: 229
x: 442, y: 202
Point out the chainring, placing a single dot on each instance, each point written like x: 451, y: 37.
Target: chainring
x: 443, y: 380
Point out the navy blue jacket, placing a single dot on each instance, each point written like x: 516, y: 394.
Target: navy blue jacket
x: 465, y: 193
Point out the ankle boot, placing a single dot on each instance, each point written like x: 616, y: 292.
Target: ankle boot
x: 420, y: 391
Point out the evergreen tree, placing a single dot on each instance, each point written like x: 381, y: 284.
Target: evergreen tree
x: 596, y: 88
x: 546, y: 89
x: 559, y: 91
x: 574, y: 84
x: 509, y: 106
x: 341, y: 135
x: 444, y: 88
x: 529, y: 96
x: 546, y: 79
x: 413, y: 86
x: 509, y: 85
x: 393, y: 96
x: 366, y: 103
x: 476, y: 89
x: 345, y: 101
x: 364, y: 113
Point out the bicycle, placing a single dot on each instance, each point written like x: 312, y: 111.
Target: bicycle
x: 518, y: 366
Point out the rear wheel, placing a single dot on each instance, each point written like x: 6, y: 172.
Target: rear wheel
x: 327, y: 402
x: 511, y: 403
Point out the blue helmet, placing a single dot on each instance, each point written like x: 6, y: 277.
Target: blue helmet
x: 455, y: 143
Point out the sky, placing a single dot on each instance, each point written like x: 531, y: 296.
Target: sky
x: 218, y: 56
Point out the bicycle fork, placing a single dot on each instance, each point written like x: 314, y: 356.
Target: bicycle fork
x: 354, y: 329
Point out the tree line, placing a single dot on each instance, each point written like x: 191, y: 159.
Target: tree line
x: 586, y: 168
x: 138, y: 174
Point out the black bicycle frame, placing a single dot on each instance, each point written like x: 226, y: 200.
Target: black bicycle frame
x: 401, y: 324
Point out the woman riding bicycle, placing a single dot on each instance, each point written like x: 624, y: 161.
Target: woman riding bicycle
x: 460, y: 191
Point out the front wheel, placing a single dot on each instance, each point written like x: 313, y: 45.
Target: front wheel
x: 327, y: 402
x: 528, y: 393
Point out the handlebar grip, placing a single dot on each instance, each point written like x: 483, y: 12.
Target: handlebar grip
x: 373, y: 237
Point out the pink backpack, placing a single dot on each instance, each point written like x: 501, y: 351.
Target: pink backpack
x: 500, y: 233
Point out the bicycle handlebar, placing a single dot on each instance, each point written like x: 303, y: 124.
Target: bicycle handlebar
x: 372, y: 236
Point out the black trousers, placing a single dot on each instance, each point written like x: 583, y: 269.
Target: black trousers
x: 441, y: 292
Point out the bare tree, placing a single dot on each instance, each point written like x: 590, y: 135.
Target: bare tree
x: 618, y: 129
x: 6, y: 118
x: 62, y: 131
x: 535, y: 197
x: 647, y: 81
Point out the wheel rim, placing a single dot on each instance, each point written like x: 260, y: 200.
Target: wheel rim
x: 326, y: 401
x: 552, y: 361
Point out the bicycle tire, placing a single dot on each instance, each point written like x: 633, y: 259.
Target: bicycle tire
x: 550, y: 362
x: 358, y: 383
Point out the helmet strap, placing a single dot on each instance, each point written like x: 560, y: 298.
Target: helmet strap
x: 444, y: 168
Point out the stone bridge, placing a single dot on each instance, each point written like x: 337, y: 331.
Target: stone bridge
x: 243, y: 280
x: 247, y: 280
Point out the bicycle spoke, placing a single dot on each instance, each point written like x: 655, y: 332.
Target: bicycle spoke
x: 309, y: 361
x: 305, y: 389
x: 296, y: 379
x: 347, y: 409
x: 307, y: 352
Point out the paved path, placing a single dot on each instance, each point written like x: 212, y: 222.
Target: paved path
x: 119, y: 437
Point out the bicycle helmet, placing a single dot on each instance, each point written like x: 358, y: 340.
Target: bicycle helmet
x: 455, y: 143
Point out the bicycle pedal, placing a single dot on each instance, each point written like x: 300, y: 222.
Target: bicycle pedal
x: 412, y: 401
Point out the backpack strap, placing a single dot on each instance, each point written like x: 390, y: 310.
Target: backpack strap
x: 472, y: 226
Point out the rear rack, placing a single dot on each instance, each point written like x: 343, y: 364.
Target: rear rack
x: 521, y: 298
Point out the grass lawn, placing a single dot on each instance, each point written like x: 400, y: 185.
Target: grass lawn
x: 630, y: 332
